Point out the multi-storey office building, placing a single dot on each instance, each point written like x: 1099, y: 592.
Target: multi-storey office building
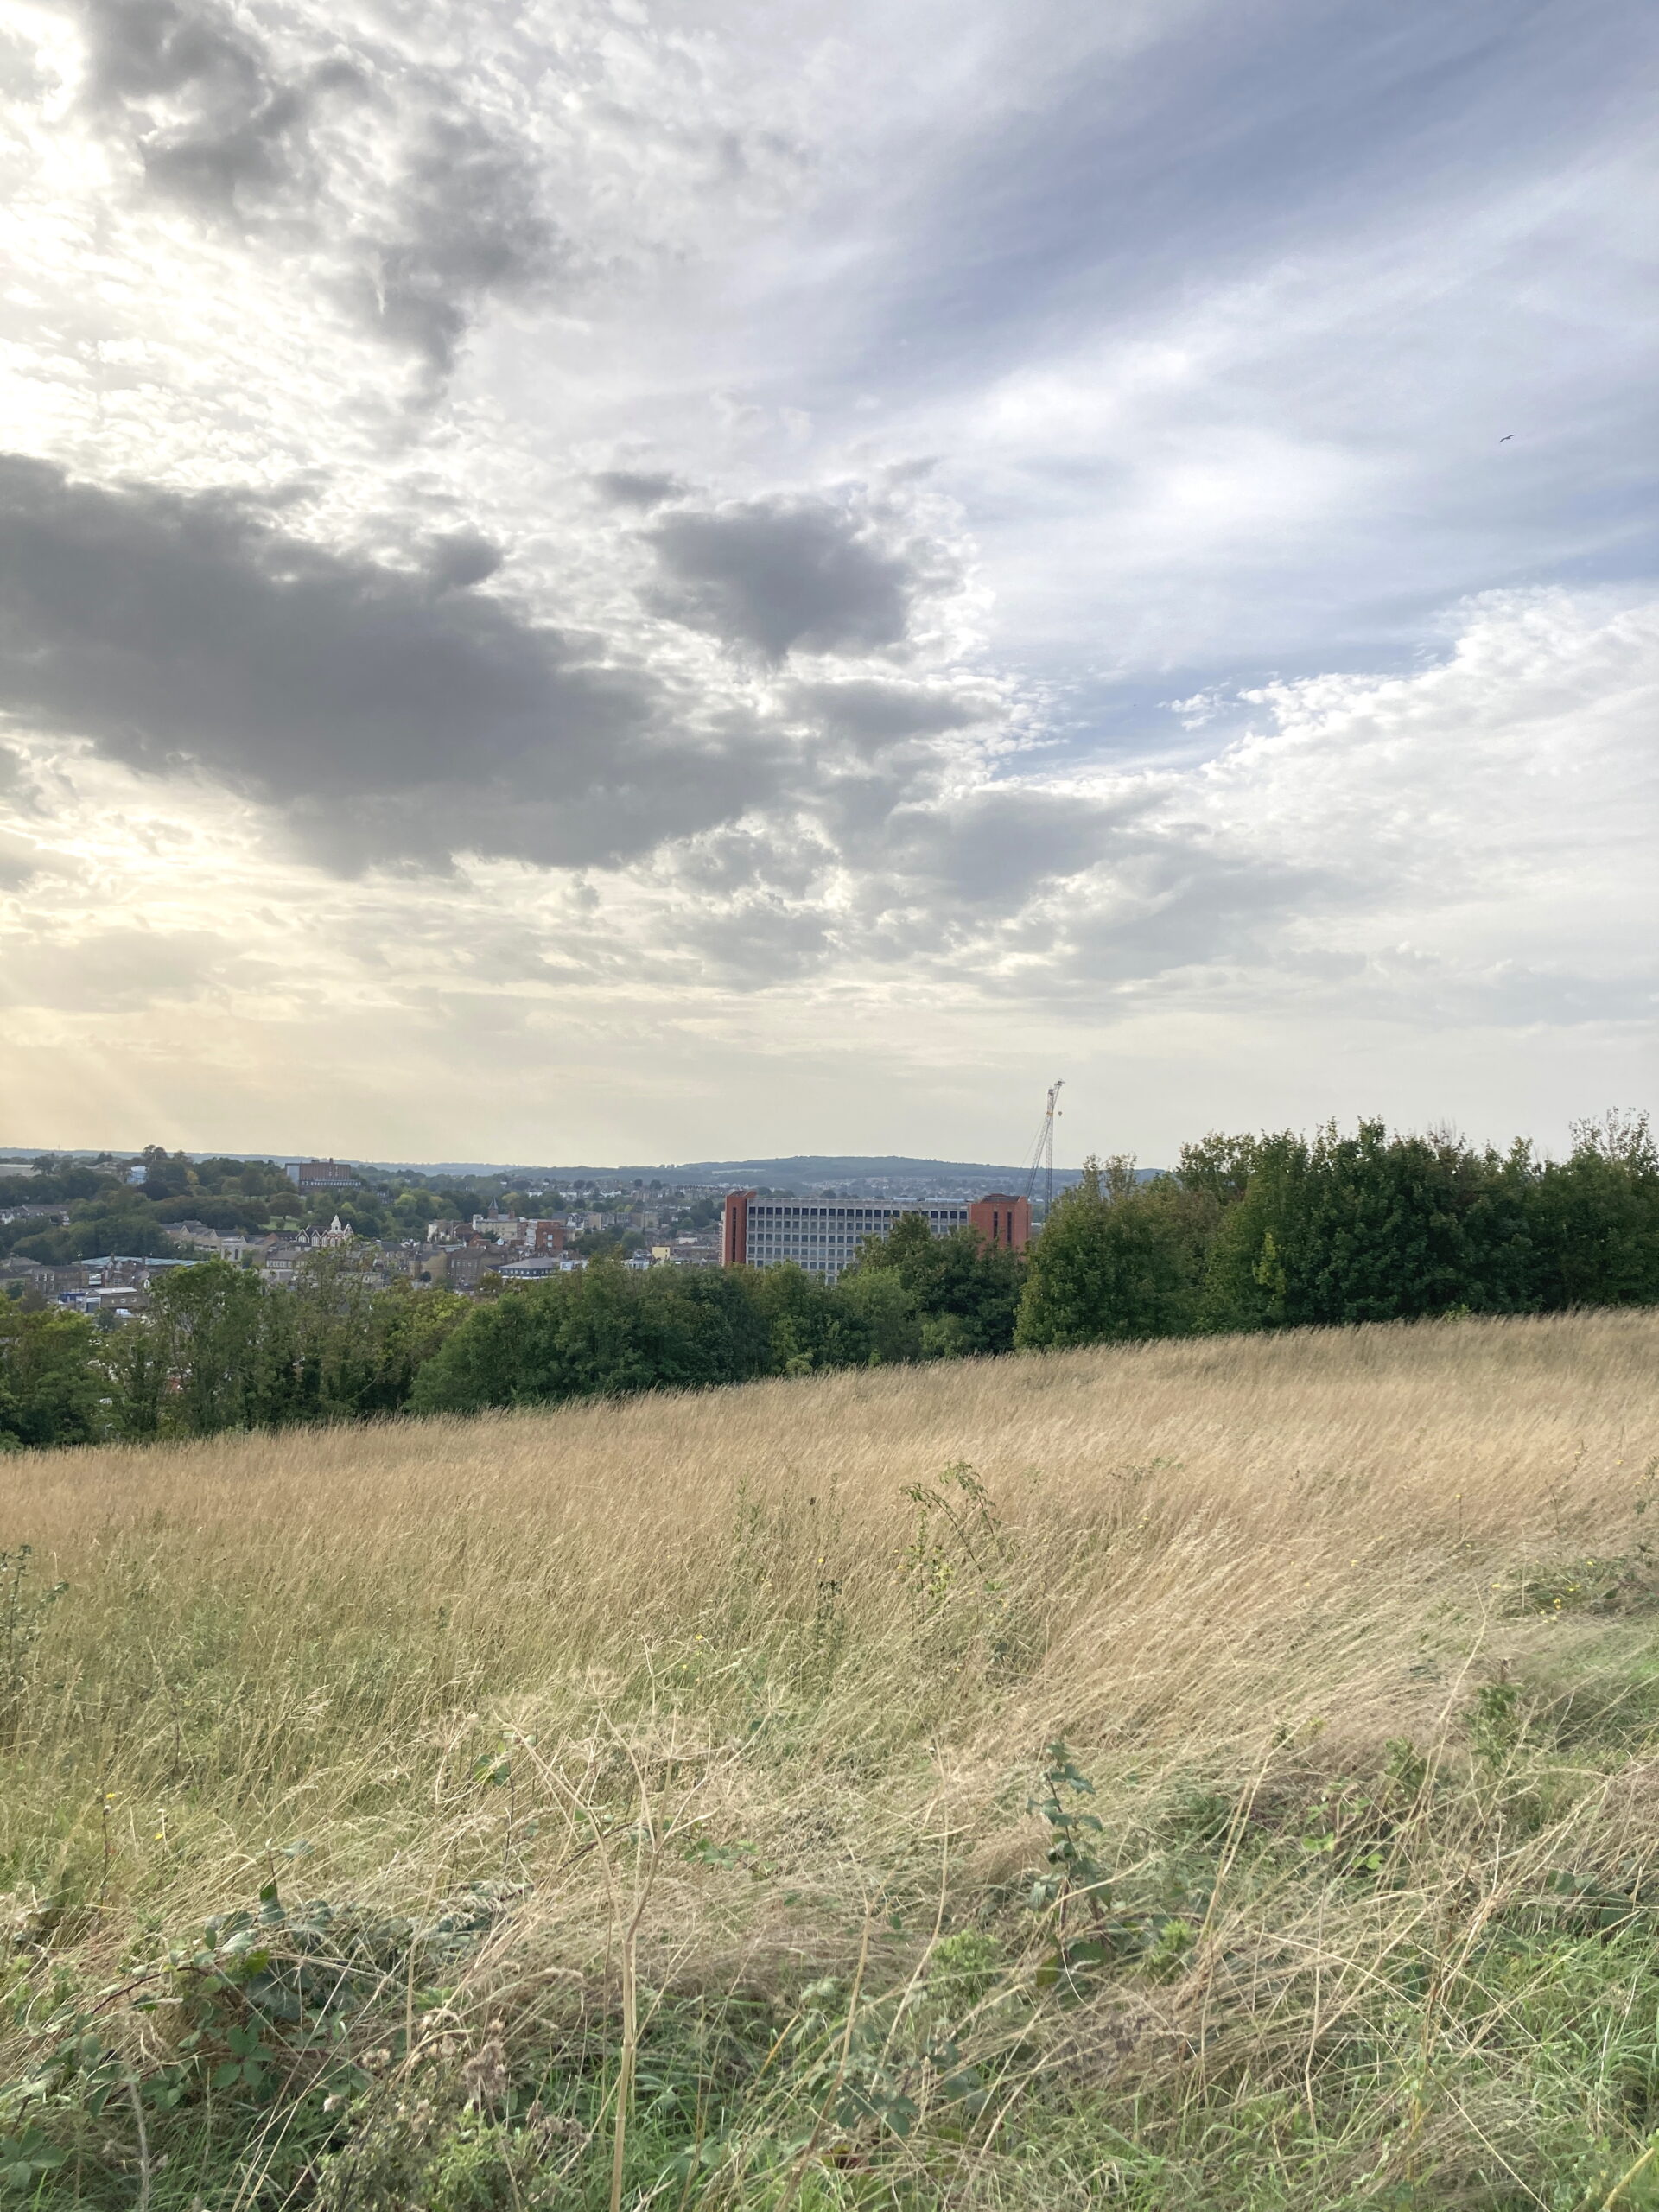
x: 823, y: 1235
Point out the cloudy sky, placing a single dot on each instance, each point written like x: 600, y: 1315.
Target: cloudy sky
x: 595, y: 580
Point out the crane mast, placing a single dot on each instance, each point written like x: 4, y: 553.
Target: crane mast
x: 1042, y: 1153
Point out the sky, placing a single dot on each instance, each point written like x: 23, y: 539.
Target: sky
x: 587, y: 580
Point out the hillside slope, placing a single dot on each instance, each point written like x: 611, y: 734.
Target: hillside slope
x: 693, y: 1763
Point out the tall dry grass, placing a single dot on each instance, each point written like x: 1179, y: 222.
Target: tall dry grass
x: 1242, y: 1566
x: 1201, y: 1545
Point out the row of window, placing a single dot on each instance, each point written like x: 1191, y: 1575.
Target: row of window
x: 884, y: 1214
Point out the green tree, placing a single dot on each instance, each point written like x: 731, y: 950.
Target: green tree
x: 731, y: 1320
x: 134, y: 1360
x: 604, y: 1333
x: 1383, y: 1234
x: 1594, y: 1217
x: 812, y: 1324
x: 223, y: 1346
x: 119, y: 1220
x: 49, y: 1380
x: 965, y: 1291
x: 1371, y: 1228
x: 885, y: 1311
x: 1219, y: 1166
x: 1117, y: 1261
x: 1260, y: 1240
x: 338, y: 1323
x: 504, y: 1352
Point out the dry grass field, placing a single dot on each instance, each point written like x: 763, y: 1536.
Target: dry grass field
x: 673, y: 1772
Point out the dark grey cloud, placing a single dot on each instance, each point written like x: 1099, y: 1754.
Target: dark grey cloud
x: 755, y: 859
x: 634, y: 488
x: 213, y: 120
x: 223, y: 126
x: 871, y: 714
x: 1080, y: 893
x: 757, y: 941
x: 468, y: 224
x: 994, y: 846
x: 388, y: 712
x: 462, y: 559
x: 1181, y: 906
x: 778, y: 575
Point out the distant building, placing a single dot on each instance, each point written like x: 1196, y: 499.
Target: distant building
x: 539, y: 1267
x: 224, y: 1244
x: 115, y: 1281
x: 688, y: 1252
x: 466, y: 1268
x: 320, y: 1175
x: 120, y: 1298
x: 823, y: 1236
x: 279, y: 1261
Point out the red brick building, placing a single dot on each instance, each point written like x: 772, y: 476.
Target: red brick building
x: 1002, y: 1220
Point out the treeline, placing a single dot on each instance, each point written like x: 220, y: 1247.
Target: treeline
x: 217, y: 1348
x: 1279, y: 1231
x: 1248, y: 1233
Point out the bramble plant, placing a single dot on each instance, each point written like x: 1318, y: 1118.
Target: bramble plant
x: 953, y: 1532
x: 1076, y: 1877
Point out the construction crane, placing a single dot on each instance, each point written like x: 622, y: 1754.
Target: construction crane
x: 1042, y: 1153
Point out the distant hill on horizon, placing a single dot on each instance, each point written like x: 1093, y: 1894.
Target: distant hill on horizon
x: 797, y: 1171
x: 801, y: 1170
x: 827, y: 1167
